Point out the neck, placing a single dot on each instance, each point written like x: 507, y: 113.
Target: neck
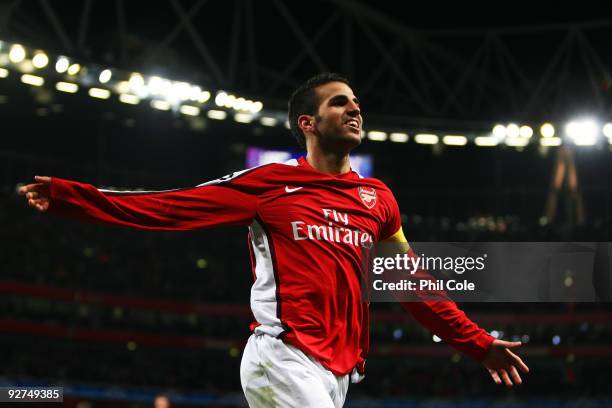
x: 328, y: 162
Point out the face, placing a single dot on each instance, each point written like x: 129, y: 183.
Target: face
x: 338, y: 121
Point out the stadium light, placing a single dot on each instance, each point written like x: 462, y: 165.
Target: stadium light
x: 17, y: 53
x: 487, y: 141
x: 190, y: 110
x: 516, y: 141
x: 123, y: 87
x: 220, y: 98
x: 216, y: 114
x: 550, y: 141
x: 582, y: 132
x: 499, y: 131
x: 62, y: 64
x: 526, y: 131
x: 32, y: 80
x: 129, y: 99
x: 3, y: 73
x: 268, y: 121
x: 40, y: 60
x: 73, y: 69
x: 454, y: 140
x: 257, y: 107
x: 204, y: 97
x: 398, y: 137
x: 425, y: 138
x: 160, y: 104
x: 243, y: 118
x: 512, y: 130
x: 137, y: 84
x: 105, y: 76
x: 607, y: 130
x: 377, y: 135
x: 99, y: 93
x: 547, y: 130
x: 68, y: 87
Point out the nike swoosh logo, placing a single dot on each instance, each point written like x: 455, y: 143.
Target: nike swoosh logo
x: 291, y: 190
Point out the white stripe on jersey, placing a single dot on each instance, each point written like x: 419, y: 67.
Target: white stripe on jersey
x: 263, y: 292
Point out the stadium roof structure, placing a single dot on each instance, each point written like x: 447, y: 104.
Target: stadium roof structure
x: 447, y: 66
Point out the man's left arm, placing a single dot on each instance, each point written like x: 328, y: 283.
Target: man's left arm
x: 447, y: 321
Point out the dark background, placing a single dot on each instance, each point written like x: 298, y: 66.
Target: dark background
x: 117, y: 316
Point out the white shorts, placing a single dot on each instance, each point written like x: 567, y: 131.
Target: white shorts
x: 276, y: 374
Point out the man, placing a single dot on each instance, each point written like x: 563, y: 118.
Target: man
x: 309, y: 222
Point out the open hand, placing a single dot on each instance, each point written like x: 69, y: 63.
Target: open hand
x: 38, y: 194
x: 503, y: 364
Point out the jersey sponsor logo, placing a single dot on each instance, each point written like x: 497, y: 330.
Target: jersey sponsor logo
x: 368, y: 196
x: 292, y: 189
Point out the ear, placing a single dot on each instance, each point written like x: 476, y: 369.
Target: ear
x: 306, y: 123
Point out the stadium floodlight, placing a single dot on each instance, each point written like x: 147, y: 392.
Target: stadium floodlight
x: 123, y: 87
x: 216, y: 114
x: 550, y: 141
x: 40, y: 60
x: 158, y: 86
x: 377, y: 135
x: 180, y: 91
x: 73, y: 69
x: 68, y: 87
x: 105, y: 76
x: 32, y: 80
x: 256, y: 107
x: 486, y: 141
x: 204, y: 97
x: 229, y: 101
x: 268, y: 121
x: 99, y: 93
x: 17, y: 53
x: 499, y: 131
x: 240, y: 104
x: 243, y: 118
x: 526, y: 131
x: 160, y: 104
x: 194, y: 93
x: 221, y: 98
x: 3, y: 73
x: 454, y: 140
x: 398, y: 137
x: 607, y: 130
x: 582, y: 132
x: 129, y: 99
x: 425, y: 138
x: 512, y: 130
x: 189, y: 110
x: 547, y: 130
x: 62, y: 64
x: 516, y: 141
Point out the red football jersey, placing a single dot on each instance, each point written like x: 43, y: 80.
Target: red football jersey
x: 308, y: 233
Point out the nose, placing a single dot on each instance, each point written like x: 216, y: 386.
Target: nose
x: 353, y: 109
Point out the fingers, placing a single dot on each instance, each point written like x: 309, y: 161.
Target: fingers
x: 40, y: 205
x: 515, y: 376
x: 518, y: 362
x: 505, y: 377
x: 495, y: 377
x: 43, y: 179
x: 508, y: 344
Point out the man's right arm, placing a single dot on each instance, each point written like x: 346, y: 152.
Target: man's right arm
x: 214, y: 204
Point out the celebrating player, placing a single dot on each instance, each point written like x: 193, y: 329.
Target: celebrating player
x: 309, y: 222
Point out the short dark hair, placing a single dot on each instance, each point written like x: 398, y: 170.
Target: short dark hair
x: 304, y: 101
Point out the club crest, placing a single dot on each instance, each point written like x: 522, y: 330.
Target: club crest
x: 368, y: 196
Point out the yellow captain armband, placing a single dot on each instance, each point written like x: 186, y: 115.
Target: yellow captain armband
x: 399, y: 238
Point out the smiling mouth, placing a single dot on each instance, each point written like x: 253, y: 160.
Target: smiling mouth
x: 353, y: 125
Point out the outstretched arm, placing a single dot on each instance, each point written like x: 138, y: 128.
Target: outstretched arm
x: 221, y: 202
x: 447, y: 321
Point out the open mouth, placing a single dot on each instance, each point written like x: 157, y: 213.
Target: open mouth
x: 353, y: 124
